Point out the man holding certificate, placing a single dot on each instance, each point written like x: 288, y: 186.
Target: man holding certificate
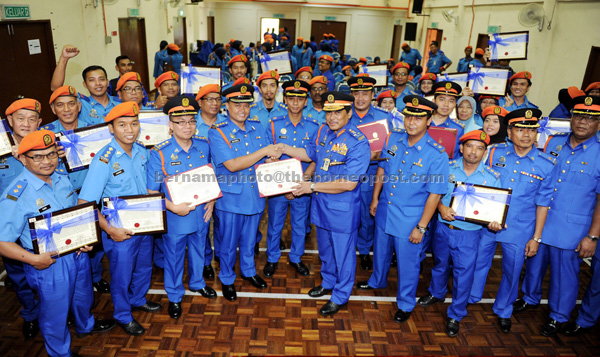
x: 295, y: 130
x: 63, y: 284
x: 187, y: 224
x: 446, y: 93
x: 119, y: 169
x: 526, y: 171
x: 455, y: 242
x: 236, y: 145
x: 341, y: 155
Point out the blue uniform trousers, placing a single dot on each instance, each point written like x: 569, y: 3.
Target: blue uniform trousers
x: 64, y: 286
x: 278, y: 207
x: 96, y: 262
x: 158, y: 255
x: 428, y: 237
x: 564, y: 274
x: 535, y: 269
x: 589, y: 312
x: 175, y: 247
x: 513, y: 257
x: 25, y: 295
x: 130, y: 272
x: 383, y: 246
x: 366, y: 230
x: 237, y: 230
x: 338, y: 262
x: 458, y: 248
x: 485, y: 256
x: 208, y: 250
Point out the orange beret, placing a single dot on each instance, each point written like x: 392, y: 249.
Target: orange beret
x: 478, y: 135
x: 238, y: 58
x: 268, y: 35
x: 494, y: 109
x: 404, y: 45
x: 167, y: 76
x: 38, y: 140
x: 479, y: 51
x: 363, y: 60
x: 63, y: 91
x: 522, y: 75
x: 592, y: 86
x: 400, y: 65
x: 575, y: 92
x: 281, y: 29
x: 267, y: 75
x: 231, y: 40
x: 227, y: 45
x: 300, y: 39
x: 209, y: 88
x: 307, y: 41
x: 387, y: 94
x: 331, y: 35
x: 325, y: 35
x: 127, y: 109
x: 26, y: 103
x: 346, y: 67
x: 326, y: 58
x: 129, y: 76
x: 430, y: 76
x: 318, y: 79
x: 241, y: 80
x: 471, y: 47
x: 303, y: 69
x: 270, y: 40
x: 173, y: 46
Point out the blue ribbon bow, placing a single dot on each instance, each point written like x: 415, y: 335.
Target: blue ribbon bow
x: 477, y: 77
x: 74, y: 147
x: 462, y: 78
x: 467, y: 194
x: 112, y: 214
x: 266, y: 58
x: 45, y: 236
x: 546, y: 129
x: 496, y: 40
x: 192, y: 75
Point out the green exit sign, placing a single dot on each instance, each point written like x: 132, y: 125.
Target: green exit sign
x: 493, y: 29
x: 133, y: 12
x: 434, y: 25
x: 330, y: 18
x: 15, y: 12
x: 279, y: 16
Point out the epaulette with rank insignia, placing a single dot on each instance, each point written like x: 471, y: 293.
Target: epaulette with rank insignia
x: 380, y: 109
x: 498, y: 145
x: 490, y: 170
x: 398, y: 130
x: 550, y: 158
x: 456, y: 121
x: 560, y: 134
x: 160, y: 146
x: 15, y: 192
x: 48, y: 127
x: 436, y: 145
x: 358, y: 135
x: 203, y: 138
x: 253, y: 104
x: 140, y: 143
x: 283, y: 106
x: 254, y: 119
x: 107, y: 154
x: 218, y: 125
x: 311, y: 120
x: 278, y: 118
x: 452, y: 162
x: 60, y: 171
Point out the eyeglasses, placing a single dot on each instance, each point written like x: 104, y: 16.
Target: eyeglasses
x: 213, y: 100
x: 318, y: 89
x: 39, y: 158
x: 184, y: 123
x: 582, y: 117
x: 130, y: 89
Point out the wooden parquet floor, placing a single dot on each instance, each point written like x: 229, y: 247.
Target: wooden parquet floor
x: 283, y: 320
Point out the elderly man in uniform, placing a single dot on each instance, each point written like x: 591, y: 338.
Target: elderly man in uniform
x: 63, y: 284
x: 268, y: 107
x: 167, y: 87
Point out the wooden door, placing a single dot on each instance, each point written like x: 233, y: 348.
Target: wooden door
x: 290, y: 24
x: 482, y: 41
x: 432, y: 35
x: 396, y: 42
x: 210, y: 24
x: 180, y: 36
x: 338, y: 28
x: 132, y: 38
x: 592, y: 72
x: 25, y: 74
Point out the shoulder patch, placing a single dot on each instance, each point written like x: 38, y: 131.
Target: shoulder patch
x: 550, y: 158
x: 219, y: 125
x: 456, y: 121
x: 140, y: 143
x: 490, y: 170
x: 253, y: 105
x: 48, y: 127
x: 202, y: 138
x: 162, y: 145
x: 15, y: 192
x: 106, y: 154
x: 559, y: 134
x: 254, y: 119
x: 356, y: 134
x: 379, y: 108
x: 499, y: 145
x: 280, y: 117
x: 398, y: 130
x: 435, y: 145
x: 282, y: 106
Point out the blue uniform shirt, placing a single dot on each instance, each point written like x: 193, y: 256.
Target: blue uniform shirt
x: 514, y: 106
x: 282, y: 130
x: 453, y: 124
x: 576, y: 181
x: 483, y: 175
x: 114, y: 173
x: 228, y: 141
x: 258, y: 111
x: 311, y: 113
x: 341, y: 155
x: 412, y: 172
x: 28, y: 196
x: 94, y: 112
x: 411, y: 57
x: 436, y: 61
x: 168, y: 159
x: 306, y: 57
x: 463, y: 64
x: 400, y: 98
x: 202, y: 127
x: 9, y: 169
x: 330, y: 80
x: 175, y: 59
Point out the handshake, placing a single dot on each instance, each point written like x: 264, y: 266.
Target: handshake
x: 274, y: 152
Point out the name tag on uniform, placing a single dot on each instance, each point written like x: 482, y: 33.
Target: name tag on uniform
x: 283, y: 136
x: 4, y: 167
x: 391, y: 152
x: 326, y: 163
x: 45, y: 208
x: 175, y: 163
x: 117, y: 173
x: 322, y: 143
x: 500, y: 165
x: 555, y: 154
x: 235, y: 141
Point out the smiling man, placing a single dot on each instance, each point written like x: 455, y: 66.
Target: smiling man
x: 519, y: 84
x: 445, y: 95
x: 167, y: 87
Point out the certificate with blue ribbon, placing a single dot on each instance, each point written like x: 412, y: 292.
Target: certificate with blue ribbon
x: 379, y: 72
x: 81, y: 145
x: 6, y: 139
x: 154, y: 127
x: 480, y: 204
x: 549, y: 127
x: 508, y: 45
x: 141, y: 214
x: 195, y: 77
x: 65, y: 231
x: 460, y: 78
x: 487, y: 80
x: 276, y: 61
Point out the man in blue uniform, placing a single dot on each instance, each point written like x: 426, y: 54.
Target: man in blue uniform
x: 416, y: 170
x: 527, y: 172
x: 519, y: 84
x: 119, y: 169
x: 123, y: 64
x: 445, y: 94
x: 64, y: 283
x: 463, y: 63
x: 167, y: 87
x: 410, y: 56
x: 171, y: 56
x: 238, y: 67
x: 363, y: 112
x: 236, y: 145
x: 268, y: 107
x: 400, y: 77
x: 130, y: 89
x: 294, y: 130
x: 341, y: 155
x: 187, y: 225
x: 324, y: 65
x: 438, y: 62
x: 314, y: 110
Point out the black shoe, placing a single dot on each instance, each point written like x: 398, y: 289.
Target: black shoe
x: 175, y: 310
x: 394, y: 262
x: 133, y: 328
x: 256, y: 248
x: 281, y: 244
x: 429, y: 300
x: 402, y: 316
x: 318, y: 291
x: 452, y: 327
x: 207, y: 292
x: 365, y: 261
x: 330, y: 308
x: 256, y: 281
x: 364, y: 285
x: 70, y: 320
x: 102, y: 286
x: 301, y: 269
x: 8, y: 283
x: 149, y: 306
x: 551, y: 328
x: 208, y: 273
x: 229, y: 292
x: 269, y: 269
x: 521, y: 305
x: 99, y: 326
x: 505, y: 324
x: 30, y: 329
x: 573, y: 329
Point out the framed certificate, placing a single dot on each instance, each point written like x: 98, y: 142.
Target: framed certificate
x: 480, y: 204
x: 154, y: 127
x: 376, y: 132
x: 445, y: 137
x: 276, y: 61
x: 278, y: 177
x: 487, y: 80
x: 196, y: 186
x: 6, y: 139
x: 65, y: 231
x: 549, y: 127
x: 379, y: 72
x: 195, y: 77
x: 141, y: 214
x: 81, y: 145
x: 509, y: 45
x: 460, y: 78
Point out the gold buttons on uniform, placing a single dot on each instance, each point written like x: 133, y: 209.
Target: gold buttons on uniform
x: 559, y: 180
x: 512, y: 180
x: 515, y: 171
x: 393, y: 186
x: 568, y: 162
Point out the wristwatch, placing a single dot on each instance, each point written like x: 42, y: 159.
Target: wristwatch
x: 593, y: 238
x: 422, y: 230
x: 539, y: 240
x: 312, y: 186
